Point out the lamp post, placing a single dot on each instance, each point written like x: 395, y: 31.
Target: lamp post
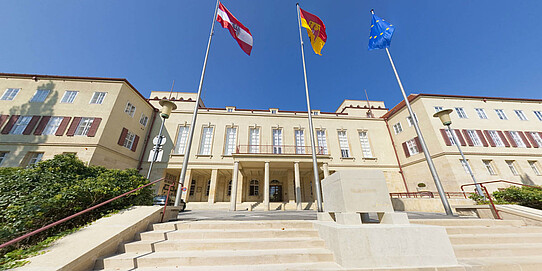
x: 444, y: 116
x: 167, y: 107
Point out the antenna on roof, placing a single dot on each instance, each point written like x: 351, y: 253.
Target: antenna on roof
x: 171, y: 91
x: 369, y: 113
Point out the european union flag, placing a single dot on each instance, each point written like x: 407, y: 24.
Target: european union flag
x: 381, y: 32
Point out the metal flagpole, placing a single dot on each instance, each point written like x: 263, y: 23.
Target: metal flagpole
x: 314, y: 163
x: 194, y: 116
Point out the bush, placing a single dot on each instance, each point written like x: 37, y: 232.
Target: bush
x: 525, y: 196
x: 54, y: 189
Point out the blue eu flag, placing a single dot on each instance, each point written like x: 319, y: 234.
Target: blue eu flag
x: 381, y: 32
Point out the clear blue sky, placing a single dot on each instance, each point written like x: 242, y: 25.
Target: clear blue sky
x: 482, y: 47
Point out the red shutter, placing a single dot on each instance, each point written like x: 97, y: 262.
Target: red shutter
x: 73, y: 126
x: 134, y: 145
x: 31, y: 124
x: 531, y: 139
x: 12, y: 120
x: 94, y: 127
x: 405, y: 148
x: 467, y: 137
x: 42, y: 125
x: 489, y: 139
x: 482, y: 138
x: 522, y: 135
x: 418, y: 144
x: 460, y: 137
x: 3, y: 119
x: 63, y: 125
x: 446, y: 138
x: 510, y: 139
x: 503, y: 138
x: 122, y: 136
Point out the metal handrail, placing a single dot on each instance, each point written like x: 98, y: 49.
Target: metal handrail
x: 13, y: 241
x: 421, y: 194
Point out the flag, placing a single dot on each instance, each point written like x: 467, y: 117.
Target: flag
x: 315, y: 28
x: 237, y: 30
x: 381, y: 32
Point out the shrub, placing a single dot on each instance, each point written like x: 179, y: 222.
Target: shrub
x: 525, y: 196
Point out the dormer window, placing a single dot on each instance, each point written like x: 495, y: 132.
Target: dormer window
x: 316, y: 112
x: 230, y: 109
x: 273, y: 110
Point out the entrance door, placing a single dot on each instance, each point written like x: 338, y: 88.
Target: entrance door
x: 275, y: 193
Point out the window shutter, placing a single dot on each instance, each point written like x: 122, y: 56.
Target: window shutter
x: 489, y: 139
x: 531, y: 139
x: 63, y: 125
x: 405, y: 148
x: 31, y: 124
x: 522, y: 135
x: 122, y: 136
x: 12, y: 120
x: 446, y: 138
x: 482, y: 138
x: 460, y: 137
x: 418, y: 144
x: 503, y: 138
x: 42, y: 125
x: 94, y: 127
x: 3, y: 119
x: 510, y: 139
x: 467, y: 137
x: 134, y: 145
x: 73, y: 126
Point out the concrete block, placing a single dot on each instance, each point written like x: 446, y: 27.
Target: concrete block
x: 324, y: 216
x: 394, y: 218
x: 348, y: 218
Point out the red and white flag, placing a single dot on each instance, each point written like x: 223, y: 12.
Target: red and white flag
x: 238, y: 31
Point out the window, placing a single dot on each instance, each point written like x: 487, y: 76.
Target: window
x: 182, y: 136
x: 229, y: 109
x: 537, y: 138
x: 130, y: 109
x: 538, y: 114
x: 98, y: 98
x: 299, y: 141
x: 31, y: 159
x: 273, y: 111
x: 208, y: 188
x: 481, y: 113
x: 52, y: 125
x: 438, y: 109
x: 84, y: 126
x: 474, y: 137
x: 365, y: 146
x: 496, y: 138
x: 520, y: 114
x: 20, y: 125
x: 489, y: 166
x: 500, y: 114
x: 40, y: 95
x: 322, y: 142
x: 143, y: 120
x: 517, y: 139
x: 512, y: 167
x: 69, y: 96
x: 254, y: 142
x: 465, y: 165
x: 129, y: 140
x: 10, y: 94
x: 229, y: 188
x: 343, y: 143
x: 192, y: 188
x: 315, y: 113
x: 412, y: 147
x: 254, y: 188
x: 451, y: 138
x: 231, y: 138
x: 533, y: 165
x: 206, y: 141
x: 3, y: 156
x: 397, y: 128
x: 277, y: 141
x: 409, y: 120
x: 461, y: 113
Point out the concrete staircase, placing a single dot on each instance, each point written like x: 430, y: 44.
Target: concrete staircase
x: 225, y: 245
x: 486, y: 244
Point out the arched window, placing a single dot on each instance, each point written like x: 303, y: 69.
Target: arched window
x: 192, y: 188
x: 208, y: 188
x: 254, y: 188
x: 229, y: 188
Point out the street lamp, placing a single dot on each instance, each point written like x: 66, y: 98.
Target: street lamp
x: 167, y: 107
x: 444, y: 116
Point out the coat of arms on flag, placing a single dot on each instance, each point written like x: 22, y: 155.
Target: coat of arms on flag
x: 237, y: 30
x: 315, y: 28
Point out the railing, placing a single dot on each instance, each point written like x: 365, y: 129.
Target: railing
x: 488, y: 195
x: 278, y: 149
x: 11, y: 242
x: 426, y: 194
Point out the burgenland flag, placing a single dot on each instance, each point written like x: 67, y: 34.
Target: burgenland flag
x: 381, y: 33
x: 315, y: 28
x: 238, y: 31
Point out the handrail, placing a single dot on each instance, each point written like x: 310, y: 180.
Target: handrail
x: 167, y: 201
x: 11, y: 242
x: 421, y: 194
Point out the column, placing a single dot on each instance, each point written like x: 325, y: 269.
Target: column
x: 187, y: 184
x: 212, y: 189
x: 291, y: 187
x: 326, y: 170
x: 297, y: 186
x: 233, y: 196
x: 240, y: 186
x: 266, y: 188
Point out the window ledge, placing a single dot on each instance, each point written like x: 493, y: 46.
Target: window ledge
x: 204, y: 155
x: 347, y: 158
x: 370, y: 158
x: 177, y: 154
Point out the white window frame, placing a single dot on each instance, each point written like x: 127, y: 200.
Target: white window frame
x: 343, y: 143
x: 192, y: 191
x: 496, y: 138
x: 98, y: 97
x: 10, y: 94
x: 438, y: 108
x: 206, y: 144
x: 475, y: 138
x: 517, y: 139
x: 397, y: 128
x: 520, y: 114
x: 129, y: 140
x: 84, y: 126
x: 409, y: 120
x: 538, y: 114
x: 69, y: 96
x: 20, y: 125
x: 489, y: 166
x: 3, y: 155
x: 537, y: 138
x: 365, y: 144
x: 533, y: 164
x: 461, y: 113
x: 208, y: 189
x: 182, y: 138
x: 299, y: 135
x: 501, y: 114
x: 254, y: 140
x: 512, y: 167
x: 254, y: 188
x: 52, y: 125
x: 412, y: 147
x: 40, y: 96
x: 452, y: 140
x: 322, y: 141
x: 464, y: 163
x: 230, y: 141
x: 481, y: 113
x: 143, y: 120
x: 277, y: 140
x: 35, y: 157
x: 130, y: 109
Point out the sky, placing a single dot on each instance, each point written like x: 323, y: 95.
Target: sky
x: 461, y: 47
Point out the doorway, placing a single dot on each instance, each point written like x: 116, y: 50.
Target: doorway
x: 275, y: 191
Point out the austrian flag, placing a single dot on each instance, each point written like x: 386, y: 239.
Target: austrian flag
x: 238, y: 31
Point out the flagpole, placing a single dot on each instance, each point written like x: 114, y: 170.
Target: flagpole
x: 314, y: 162
x: 195, y: 114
